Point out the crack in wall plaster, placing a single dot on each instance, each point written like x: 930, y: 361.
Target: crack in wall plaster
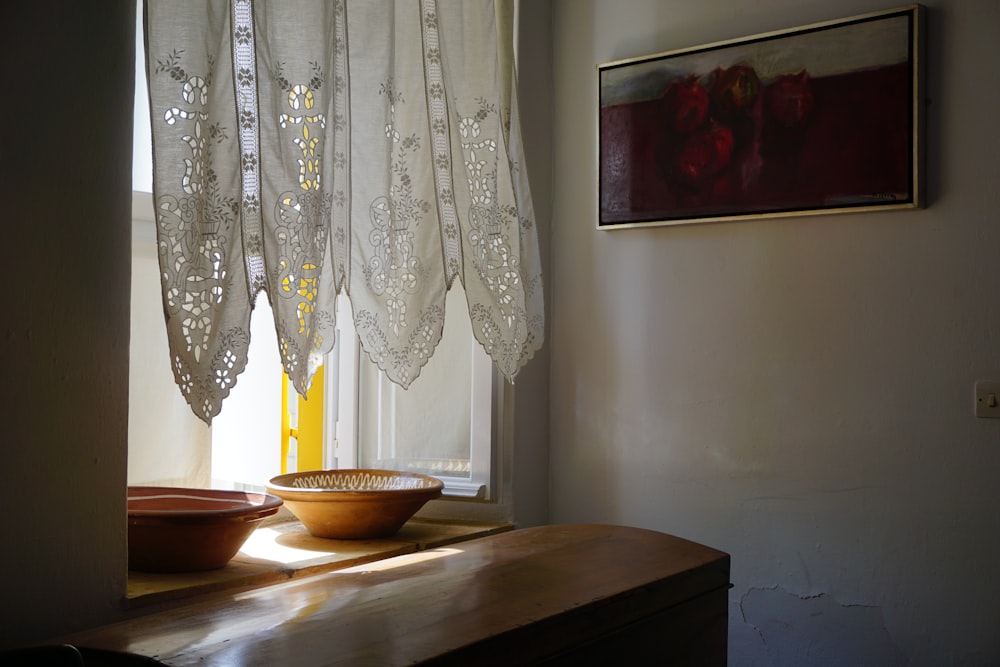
x: 816, y: 629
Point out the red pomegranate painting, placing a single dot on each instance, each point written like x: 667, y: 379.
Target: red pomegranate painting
x: 816, y: 119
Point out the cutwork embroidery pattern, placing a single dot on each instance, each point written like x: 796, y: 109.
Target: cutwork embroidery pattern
x: 401, y: 365
x: 300, y: 216
x: 440, y: 131
x: 502, y: 330
x: 257, y: 188
x: 245, y: 68
x: 341, y: 147
x: 194, y: 231
x: 493, y: 231
x: 394, y: 271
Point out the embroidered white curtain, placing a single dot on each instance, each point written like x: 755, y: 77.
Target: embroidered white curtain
x: 309, y: 147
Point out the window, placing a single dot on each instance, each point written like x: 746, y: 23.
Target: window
x: 438, y: 426
x: 441, y: 426
x: 449, y: 429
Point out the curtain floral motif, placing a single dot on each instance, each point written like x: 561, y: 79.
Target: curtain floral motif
x: 304, y: 149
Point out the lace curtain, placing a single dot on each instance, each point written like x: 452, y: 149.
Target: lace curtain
x: 304, y: 148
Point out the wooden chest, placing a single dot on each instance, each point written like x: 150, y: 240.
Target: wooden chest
x: 552, y: 595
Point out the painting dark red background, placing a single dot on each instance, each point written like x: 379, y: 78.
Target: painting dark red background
x: 853, y: 147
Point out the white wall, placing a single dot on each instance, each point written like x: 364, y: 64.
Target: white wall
x: 529, y: 436
x: 795, y: 392
x: 142, y: 144
x: 64, y: 158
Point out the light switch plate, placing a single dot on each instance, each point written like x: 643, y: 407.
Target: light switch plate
x: 988, y: 399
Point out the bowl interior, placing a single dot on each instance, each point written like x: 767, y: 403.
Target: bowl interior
x: 164, y: 502
x: 355, y: 481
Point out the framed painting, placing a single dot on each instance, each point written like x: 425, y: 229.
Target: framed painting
x: 824, y: 118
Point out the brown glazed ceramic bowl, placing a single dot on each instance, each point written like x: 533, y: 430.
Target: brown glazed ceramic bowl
x: 354, y: 504
x: 188, y: 530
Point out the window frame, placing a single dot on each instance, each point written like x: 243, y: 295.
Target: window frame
x: 487, y: 496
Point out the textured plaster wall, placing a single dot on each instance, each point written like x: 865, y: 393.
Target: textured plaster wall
x: 530, y: 409
x: 796, y: 392
x: 65, y: 172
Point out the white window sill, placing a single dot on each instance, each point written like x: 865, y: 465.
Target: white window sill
x: 278, y: 552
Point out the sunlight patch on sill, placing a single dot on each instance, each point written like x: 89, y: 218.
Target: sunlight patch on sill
x: 412, y: 559
x: 278, y: 552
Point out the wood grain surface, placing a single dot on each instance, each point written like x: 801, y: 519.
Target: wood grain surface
x: 521, y: 597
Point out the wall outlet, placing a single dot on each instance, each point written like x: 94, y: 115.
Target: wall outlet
x: 988, y: 399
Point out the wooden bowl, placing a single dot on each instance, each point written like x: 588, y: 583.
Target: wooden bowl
x: 354, y: 504
x: 189, y: 530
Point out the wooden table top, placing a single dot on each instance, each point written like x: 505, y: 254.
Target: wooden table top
x: 485, y: 600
